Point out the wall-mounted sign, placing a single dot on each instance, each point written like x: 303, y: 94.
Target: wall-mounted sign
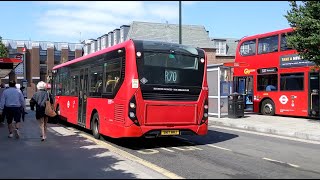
x: 267, y: 70
x: 19, y: 70
x: 294, y: 60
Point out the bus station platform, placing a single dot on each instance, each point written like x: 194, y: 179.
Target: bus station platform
x: 295, y: 127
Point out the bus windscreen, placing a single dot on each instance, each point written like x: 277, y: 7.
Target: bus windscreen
x: 160, y: 68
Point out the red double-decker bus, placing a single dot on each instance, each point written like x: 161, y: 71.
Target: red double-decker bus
x: 274, y: 78
x: 135, y: 88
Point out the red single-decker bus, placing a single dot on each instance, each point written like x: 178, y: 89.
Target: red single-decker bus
x: 135, y: 88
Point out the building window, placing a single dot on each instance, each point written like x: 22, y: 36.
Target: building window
x: 43, y: 72
x: 221, y: 46
x: 57, y: 57
x: 71, y: 55
x: 43, y: 57
x: 13, y: 51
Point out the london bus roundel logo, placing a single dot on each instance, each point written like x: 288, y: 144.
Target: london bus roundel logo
x: 283, y: 99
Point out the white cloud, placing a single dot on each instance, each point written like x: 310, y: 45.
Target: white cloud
x: 66, y: 19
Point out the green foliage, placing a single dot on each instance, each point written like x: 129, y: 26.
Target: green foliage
x: 3, y: 50
x: 305, y: 19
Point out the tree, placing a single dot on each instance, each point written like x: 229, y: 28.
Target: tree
x: 305, y: 19
x: 3, y: 49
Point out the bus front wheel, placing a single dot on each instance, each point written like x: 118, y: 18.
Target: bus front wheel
x: 267, y: 107
x: 95, y: 126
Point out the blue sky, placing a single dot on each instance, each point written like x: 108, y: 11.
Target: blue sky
x: 62, y: 21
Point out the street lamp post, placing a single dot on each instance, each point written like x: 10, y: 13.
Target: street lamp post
x: 180, y: 31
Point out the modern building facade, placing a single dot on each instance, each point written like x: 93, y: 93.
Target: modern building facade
x: 39, y: 57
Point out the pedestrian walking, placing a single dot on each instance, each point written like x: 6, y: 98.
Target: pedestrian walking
x: 23, y: 111
x: 11, y: 103
x: 2, y: 112
x: 39, y: 100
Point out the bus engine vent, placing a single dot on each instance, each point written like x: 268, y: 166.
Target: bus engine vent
x: 118, y: 112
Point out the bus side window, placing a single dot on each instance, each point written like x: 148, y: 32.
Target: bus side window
x: 284, y: 45
x: 112, y: 71
x: 248, y: 48
x: 268, y: 82
x: 268, y: 44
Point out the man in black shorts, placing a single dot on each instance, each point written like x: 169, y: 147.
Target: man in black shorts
x: 11, y: 102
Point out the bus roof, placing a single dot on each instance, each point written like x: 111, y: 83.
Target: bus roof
x: 266, y: 34
x: 117, y: 46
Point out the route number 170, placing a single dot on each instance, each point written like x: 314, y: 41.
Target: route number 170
x: 171, y: 76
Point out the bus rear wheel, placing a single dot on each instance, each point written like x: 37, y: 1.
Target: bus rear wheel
x: 267, y: 107
x: 95, y: 126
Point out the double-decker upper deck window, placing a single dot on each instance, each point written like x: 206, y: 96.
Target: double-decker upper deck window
x: 268, y: 44
x: 291, y: 81
x: 248, y: 48
x: 284, y: 45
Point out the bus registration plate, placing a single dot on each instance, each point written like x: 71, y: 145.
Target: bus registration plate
x: 170, y: 132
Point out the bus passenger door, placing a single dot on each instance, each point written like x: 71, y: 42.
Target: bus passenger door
x: 82, y: 97
x: 313, y: 91
x: 244, y: 85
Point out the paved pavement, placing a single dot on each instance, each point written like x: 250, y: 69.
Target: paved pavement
x: 302, y: 128
x: 65, y: 154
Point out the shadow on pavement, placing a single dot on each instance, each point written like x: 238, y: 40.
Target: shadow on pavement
x: 164, y: 142
x: 58, y: 157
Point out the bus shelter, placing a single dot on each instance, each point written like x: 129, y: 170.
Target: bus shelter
x: 220, y: 86
x: 7, y: 65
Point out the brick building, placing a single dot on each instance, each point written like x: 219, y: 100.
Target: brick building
x: 39, y: 57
